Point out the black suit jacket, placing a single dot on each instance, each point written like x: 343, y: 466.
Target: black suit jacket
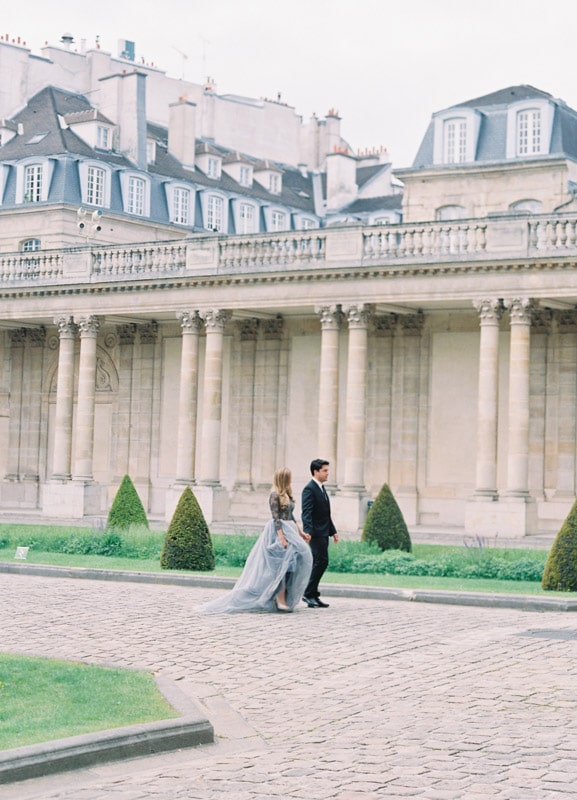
x: 316, y: 511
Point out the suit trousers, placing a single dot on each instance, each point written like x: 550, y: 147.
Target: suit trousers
x: 320, y: 550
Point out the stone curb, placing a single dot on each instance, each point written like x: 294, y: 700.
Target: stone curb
x: 517, y: 601
x: 131, y: 741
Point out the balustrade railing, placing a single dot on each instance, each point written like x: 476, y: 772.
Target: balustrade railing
x: 444, y: 242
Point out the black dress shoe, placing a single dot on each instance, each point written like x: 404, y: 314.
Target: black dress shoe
x: 311, y: 602
x: 320, y: 603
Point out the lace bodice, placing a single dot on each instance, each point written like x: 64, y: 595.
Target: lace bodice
x: 280, y: 512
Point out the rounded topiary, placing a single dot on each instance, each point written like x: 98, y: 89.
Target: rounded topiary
x: 560, y: 573
x: 187, y: 544
x: 126, y: 509
x: 385, y: 524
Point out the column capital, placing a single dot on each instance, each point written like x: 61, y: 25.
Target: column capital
x: 520, y: 310
x: 66, y: 327
x: 88, y: 325
x: 331, y: 317
x: 190, y: 321
x: 215, y: 318
x: 358, y: 316
x: 490, y: 310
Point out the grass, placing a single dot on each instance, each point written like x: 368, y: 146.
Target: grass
x: 42, y: 699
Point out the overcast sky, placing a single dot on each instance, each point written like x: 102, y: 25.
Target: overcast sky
x: 385, y: 66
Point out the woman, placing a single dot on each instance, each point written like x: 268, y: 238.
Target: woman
x: 278, y: 566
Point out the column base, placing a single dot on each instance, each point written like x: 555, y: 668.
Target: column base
x: 507, y: 517
x: 70, y: 499
x: 349, y: 510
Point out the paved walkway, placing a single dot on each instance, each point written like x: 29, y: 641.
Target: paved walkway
x: 366, y: 699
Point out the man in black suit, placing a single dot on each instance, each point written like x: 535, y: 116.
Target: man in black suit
x: 317, y: 522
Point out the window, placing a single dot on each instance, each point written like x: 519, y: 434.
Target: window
x: 277, y: 221
x: 305, y: 224
x: 30, y: 245
x: 528, y: 132
x: 215, y: 213
x: 245, y: 178
x: 274, y: 183
x: 95, y: 186
x: 455, y: 141
x: 180, y: 206
x: 246, y: 218
x: 213, y: 168
x: 103, y: 137
x: 450, y: 212
x: 33, y: 183
x: 526, y: 207
x: 136, y: 192
x: 150, y: 151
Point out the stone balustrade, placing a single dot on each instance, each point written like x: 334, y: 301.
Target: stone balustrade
x: 454, y: 242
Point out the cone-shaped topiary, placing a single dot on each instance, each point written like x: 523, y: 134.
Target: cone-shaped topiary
x: 560, y: 573
x: 385, y: 524
x: 126, y: 508
x: 187, y: 544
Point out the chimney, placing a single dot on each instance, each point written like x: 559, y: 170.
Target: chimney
x: 182, y: 132
x: 123, y: 100
x: 341, y: 178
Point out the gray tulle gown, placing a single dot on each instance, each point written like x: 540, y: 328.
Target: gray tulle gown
x: 268, y: 565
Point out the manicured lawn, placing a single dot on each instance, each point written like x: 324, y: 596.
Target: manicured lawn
x: 42, y: 699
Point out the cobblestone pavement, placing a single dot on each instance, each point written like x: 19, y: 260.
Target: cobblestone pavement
x: 366, y: 699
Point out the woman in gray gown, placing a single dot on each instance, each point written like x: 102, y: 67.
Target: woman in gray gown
x: 278, y: 566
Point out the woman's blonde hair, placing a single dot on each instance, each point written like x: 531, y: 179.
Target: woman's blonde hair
x: 282, y: 485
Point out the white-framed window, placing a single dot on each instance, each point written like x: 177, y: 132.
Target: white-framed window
x: 103, y: 137
x: 247, y: 218
x: 215, y: 213
x: 33, y: 176
x: 529, y: 139
x: 274, y: 183
x: 135, y: 193
x: 450, y: 212
x: 30, y: 245
x: 95, y: 185
x: 180, y: 205
x: 306, y: 223
x: 455, y: 141
x: 278, y: 220
x: 456, y: 132
x: 529, y: 127
x: 150, y: 151
x: 245, y: 176
x: 213, y: 168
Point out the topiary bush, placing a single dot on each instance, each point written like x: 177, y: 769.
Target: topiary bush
x: 126, y: 509
x: 560, y: 573
x: 385, y: 524
x: 187, y: 544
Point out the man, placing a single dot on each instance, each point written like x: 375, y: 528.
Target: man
x: 317, y: 522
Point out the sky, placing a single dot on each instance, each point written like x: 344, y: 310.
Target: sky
x: 385, y: 66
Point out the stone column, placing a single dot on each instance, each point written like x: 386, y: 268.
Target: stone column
x: 358, y: 319
x: 330, y: 317
x: 209, y: 472
x: 248, y: 332
x: 520, y: 311
x: 490, y: 312
x: 64, y: 400
x: 191, y: 324
x: 17, y: 380
x: 84, y: 440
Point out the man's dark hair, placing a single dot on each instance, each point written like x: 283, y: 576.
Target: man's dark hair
x: 317, y: 464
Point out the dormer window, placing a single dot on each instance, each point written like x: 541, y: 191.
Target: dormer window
x: 456, y: 132
x: 213, y: 168
x: 135, y: 194
x: 529, y: 126
x: 33, y: 177
x: 95, y: 183
x: 274, y: 183
x: 150, y: 151
x: 33, y: 183
x: 103, y: 137
x: 245, y: 176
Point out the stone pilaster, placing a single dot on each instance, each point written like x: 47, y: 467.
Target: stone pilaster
x: 328, y: 412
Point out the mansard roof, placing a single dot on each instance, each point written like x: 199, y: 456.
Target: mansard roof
x: 492, y: 135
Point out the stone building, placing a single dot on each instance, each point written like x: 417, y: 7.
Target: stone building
x: 437, y: 353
